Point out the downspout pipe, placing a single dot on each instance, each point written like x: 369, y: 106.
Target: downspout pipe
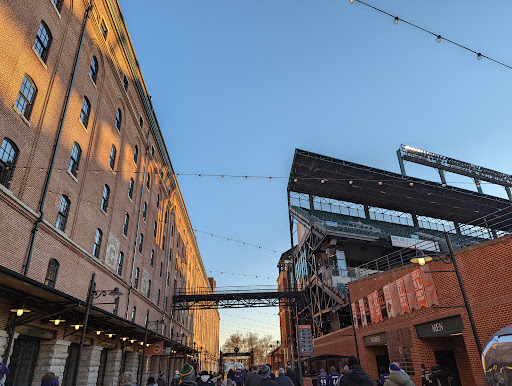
x: 56, y: 146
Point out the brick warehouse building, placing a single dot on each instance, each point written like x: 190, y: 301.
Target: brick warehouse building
x: 109, y: 204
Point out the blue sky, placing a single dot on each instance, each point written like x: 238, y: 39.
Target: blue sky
x: 238, y: 85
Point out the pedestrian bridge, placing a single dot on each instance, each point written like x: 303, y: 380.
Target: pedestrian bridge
x: 234, y: 297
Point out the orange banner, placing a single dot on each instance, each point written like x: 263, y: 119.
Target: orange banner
x: 430, y: 289
x: 411, y: 292
x: 362, y: 310
x: 155, y: 348
x: 402, y: 295
x: 376, y: 307
x: 354, y: 315
x: 389, y: 301
x: 371, y: 304
x: 420, y: 290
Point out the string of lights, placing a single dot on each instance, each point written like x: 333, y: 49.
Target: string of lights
x: 439, y: 38
x: 243, y: 274
x: 236, y: 241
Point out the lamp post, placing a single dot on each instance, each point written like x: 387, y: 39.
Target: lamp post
x: 148, y: 323
x: 93, y: 294
x: 421, y: 259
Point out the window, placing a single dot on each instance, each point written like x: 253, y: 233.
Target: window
x: 141, y: 241
x: 8, y: 155
x: 125, y: 225
x: 62, y: 216
x: 141, y: 121
x: 120, y: 262
x: 118, y: 120
x: 76, y: 152
x: 97, y: 243
x: 135, y: 154
x: 168, y: 279
x: 154, y: 230
x: 130, y: 188
x: 112, y: 159
x: 58, y: 4
x: 144, y: 211
x: 152, y: 151
x: 165, y: 218
x: 149, y: 288
x: 137, y: 273
x: 147, y: 182
x: 161, y: 174
x: 26, y: 97
x: 134, y: 311
x: 165, y: 303
x: 125, y: 82
x: 163, y: 243
x: 43, y: 41
x: 157, y: 201
x: 158, y: 298
x: 152, y: 261
x: 86, y: 110
x: 51, y: 273
x: 93, y: 69
x: 116, y: 306
x: 104, y: 199
x: 161, y: 268
x: 103, y: 29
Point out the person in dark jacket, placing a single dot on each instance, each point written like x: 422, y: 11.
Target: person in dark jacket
x: 161, y: 379
x: 266, y: 380
x: 334, y: 377
x: 253, y: 378
x: 188, y: 375
x: 383, y: 375
x: 283, y: 380
x: 204, y: 379
x: 49, y: 379
x: 293, y: 375
x: 322, y: 378
x: 356, y: 376
x: 176, y: 379
x: 440, y: 375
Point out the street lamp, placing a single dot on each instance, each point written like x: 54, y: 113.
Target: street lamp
x: 93, y: 294
x: 421, y: 258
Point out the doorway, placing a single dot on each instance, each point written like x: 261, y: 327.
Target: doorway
x: 71, y: 363
x: 446, y: 358
x: 382, y: 362
x: 23, y: 361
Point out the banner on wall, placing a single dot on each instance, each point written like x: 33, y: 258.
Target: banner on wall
x: 411, y: 292
x: 430, y: 289
x: 376, y: 307
x: 402, y: 295
x: 354, y: 315
x: 420, y: 290
x: 389, y: 301
x: 371, y: 304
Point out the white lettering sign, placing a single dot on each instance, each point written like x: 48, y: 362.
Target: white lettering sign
x: 437, y: 327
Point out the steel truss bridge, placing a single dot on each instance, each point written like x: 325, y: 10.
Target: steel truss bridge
x: 234, y: 297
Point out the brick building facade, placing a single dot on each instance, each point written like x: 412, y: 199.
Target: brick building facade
x: 112, y: 204
x: 486, y: 272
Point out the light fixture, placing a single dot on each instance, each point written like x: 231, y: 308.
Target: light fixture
x: 351, y: 182
x: 396, y: 20
x: 19, y: 311
x: 479, y: 56
x: 199, y: 175
x: 351, y: 1
x: 439, y: 38
x: 141, y: 343
x: 77, y: 326
x: 421, y: 258
x: 222, y: 176
x: 133, y: 340
x: 245, y: 177
x: 411, y: 183
x: 124, y: 338
x: 270, y: 178
x: 380, y: 182
x: 98, y: 332
x: 110, y: 335
x: 295, y: 180
x: 115, y: 293
x: 147, y: 345
x: 57, y: 320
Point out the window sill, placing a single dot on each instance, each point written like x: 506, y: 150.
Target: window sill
x: 93, y: 82
x: 113, y: 172
x: 129, y: 198
x: 82, y: 124
x: 102, y: 211
x: 126, y: 237
x: 56, y: 10
x: 40, y: 59
x: 25, y: 120
x: 71, y: 174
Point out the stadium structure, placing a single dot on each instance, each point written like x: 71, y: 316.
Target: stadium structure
x: 348, y: 221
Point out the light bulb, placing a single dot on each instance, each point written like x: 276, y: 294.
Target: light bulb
x: 77, y: 326
x: 396, y: 20
x: 439, y: 38
x: 270, y: 178
x: 380, y: 182
x: 479, y: 56
x: 199, y: 175
x: 132, y: 340
x: 421, y: 261
x: 57, y: 322
x: 98, y: 332
x: 222, y: 177
x: 351, y: 1
x: 19, y: 312
x: 295, y: 180
x: 351, y: 182
x: 124, y: 339
x: 411, y: 183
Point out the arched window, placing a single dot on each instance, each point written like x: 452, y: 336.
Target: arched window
x: 144, y: 211
x: 8, y: 155
x: 152, y: 151
x: 130, y: 189
x: 125, y: 82
x: 161, y: 268
x: 93, y: 70
x: 135, y: 154
x: 157, y: 201
x: 51, y: 273
x: 126, y: 222
x: 147, y: 182
x: 120, y: 263
x: 154, y: 230
x: 149, y: 288
x: 58, y: 4
x: 43, y: 41
x: 103, y: 29
x: 141, y: 242
x: 152, y: 261
x: 165, y: 218
x: 75, y: 159
x: 118, y: 119
x: 112, y: 159
x: 26, y: 96
x: 62, y: 216
x: 134, y: 311
x: 105, y: 197
x: 86, y: 110
x: 137, y: 273
x: 158, y: 300
x: 97, y: 243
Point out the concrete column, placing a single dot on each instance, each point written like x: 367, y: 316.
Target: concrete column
x: 52, y: 357
x: 114, y: 358
x: 89, y: 366
x: 132, y: 364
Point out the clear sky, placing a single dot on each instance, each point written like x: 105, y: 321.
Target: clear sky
x: 238, y: 85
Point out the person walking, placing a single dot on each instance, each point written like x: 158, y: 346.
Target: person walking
x: 4, y: 371
x: 161, y: 379
x: 253, y: 378
x: 239, y: 377
x: 293, y: 375
x: 383, y: 375
x: 322, y: 378
x: 126, y: 379
x: 265, y: 374
x: 440, y: 376
x: 49, y: 379
x: 333, y: 378
x: 283, y: 379
x: 398, y: 377
x: 425, y: 376
x: 176, y: 379
x: 204, y: 379
x: 356, y: 376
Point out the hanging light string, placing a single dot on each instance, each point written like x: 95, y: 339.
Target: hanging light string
x: 438, y: 37
x: 243, y: 274
x: 236, y: 241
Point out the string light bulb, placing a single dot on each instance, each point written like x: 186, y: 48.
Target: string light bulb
x: 351, y: 1
x: 351, y: 182
x: 479, y: 56
x: 133, y: 340
x: 270, y: 178
x: 396, y: 20
x: 295, y: 180
x: 110, y: 335
x: 439, y: 38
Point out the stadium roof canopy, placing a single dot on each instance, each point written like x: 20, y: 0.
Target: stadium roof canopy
x: 328, y: 177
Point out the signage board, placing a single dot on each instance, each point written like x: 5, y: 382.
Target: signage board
x: 236, y: 354
x: 440, y: 327
x: 376, y: 340
x: 305, y: 340
x: 406, y: 242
